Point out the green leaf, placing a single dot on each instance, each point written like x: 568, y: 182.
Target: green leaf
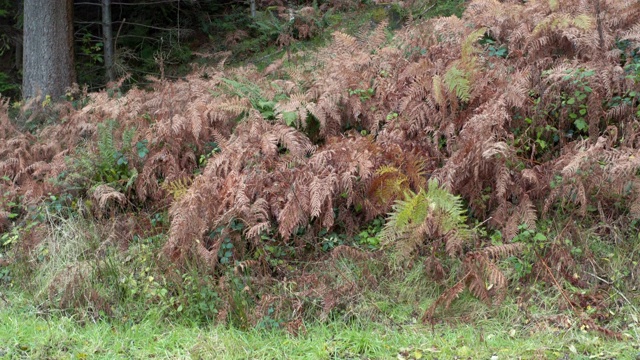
x: 290, y: 117
x: 540, y: 237
x: 571, y: 101
x: 581, y: 124
x: 458, y: 81
x: 266, y: 104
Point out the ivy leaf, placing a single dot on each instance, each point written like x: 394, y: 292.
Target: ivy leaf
x: 581, y: 124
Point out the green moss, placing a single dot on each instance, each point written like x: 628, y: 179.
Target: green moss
x: 379, y: 14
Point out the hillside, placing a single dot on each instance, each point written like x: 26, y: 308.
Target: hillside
x: 495, y: 154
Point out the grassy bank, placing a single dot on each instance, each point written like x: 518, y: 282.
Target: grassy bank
x: 441, y: 190
x: 27, y: 333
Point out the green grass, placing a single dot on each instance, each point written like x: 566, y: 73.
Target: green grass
x: 435, y: 8
x: 381, y: 322
x: 25, y: 332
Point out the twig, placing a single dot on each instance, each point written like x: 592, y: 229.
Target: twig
x: 484, y: 222
x: 427, y: 10
x: 615, y: 289
x: 555, y: 282
x: 115, y: 41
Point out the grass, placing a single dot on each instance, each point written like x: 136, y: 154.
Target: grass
x: 382, y: 322
x: 25, y: 332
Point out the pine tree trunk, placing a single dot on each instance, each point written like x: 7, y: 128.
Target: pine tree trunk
x: 107, y: 37
x: 48, y: 48
x: 252, y: 3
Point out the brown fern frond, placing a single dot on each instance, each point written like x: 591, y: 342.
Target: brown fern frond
x: 106, y: 196
x: 453, y: 243
x: 444, y: 300
x: 477, y: 286
x: 243, y: 266
x: 504, y: 250
x: 348, y: 252
x: 4, y: 220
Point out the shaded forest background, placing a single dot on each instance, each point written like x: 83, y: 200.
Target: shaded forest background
x: 174, y: 32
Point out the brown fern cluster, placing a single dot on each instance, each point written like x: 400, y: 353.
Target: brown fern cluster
x: 176, y: 121
x: 270, y: 176
x: 522, y: 108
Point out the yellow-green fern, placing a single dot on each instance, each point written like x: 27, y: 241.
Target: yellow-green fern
x: 177, y: 188
x: 458, y: 81
x: 434, y: 212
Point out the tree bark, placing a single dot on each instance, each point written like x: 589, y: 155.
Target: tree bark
x: 107, y: 38
x: 48, y: 48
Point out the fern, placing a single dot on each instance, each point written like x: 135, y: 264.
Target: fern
x: 458, y: 82
x: 112, y: 162
x: 431, y: 213
x: 390, y: 183
x: 107, y: 151
x: 468, y: 48
x: 177, y: 188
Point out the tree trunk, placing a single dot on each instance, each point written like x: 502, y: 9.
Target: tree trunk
x: 48, y: 48
x: 107, y: 38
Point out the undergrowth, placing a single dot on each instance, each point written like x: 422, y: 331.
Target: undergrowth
x: 498, y: 148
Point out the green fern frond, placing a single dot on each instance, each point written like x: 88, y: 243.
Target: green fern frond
x: 436, y: 204
x: 107, y: 150
x: 405, y: 215
x: 242, y: 89
x: 584, y: 22
x: 468, y: 46
x: 457, y: 81
x: 387, y: 169
x: 177, y: 188
x: 127, y: 139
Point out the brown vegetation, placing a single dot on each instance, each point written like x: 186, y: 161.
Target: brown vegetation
x: 524, y: 110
